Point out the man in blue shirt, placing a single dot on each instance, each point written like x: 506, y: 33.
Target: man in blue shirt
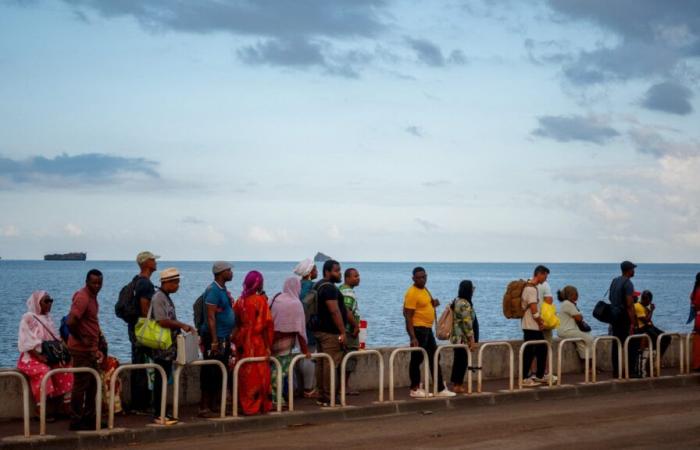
x: 216, y: 336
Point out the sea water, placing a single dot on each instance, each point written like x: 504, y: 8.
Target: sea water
x: 380, y: 294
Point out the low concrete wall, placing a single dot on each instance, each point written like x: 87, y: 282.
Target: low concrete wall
x: 495, y: 365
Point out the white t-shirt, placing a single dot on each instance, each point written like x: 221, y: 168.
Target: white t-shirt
x: 543, y: 290
x: 567, y: 311
x: 528, y: 322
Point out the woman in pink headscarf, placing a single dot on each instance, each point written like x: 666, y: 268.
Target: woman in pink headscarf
x: 253, y: 337
x: 290, y: 326
x: 35, y: 327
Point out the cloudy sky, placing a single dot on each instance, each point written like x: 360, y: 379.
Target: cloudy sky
x: 368, y: 129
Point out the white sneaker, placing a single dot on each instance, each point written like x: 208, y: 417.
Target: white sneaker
x: 545, y: 379
x: 418, y: 393
x: 446, y: 393
x: 530, y: 382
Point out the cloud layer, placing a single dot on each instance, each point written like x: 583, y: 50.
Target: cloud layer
x: 575, y: 128
x: 669, y: 97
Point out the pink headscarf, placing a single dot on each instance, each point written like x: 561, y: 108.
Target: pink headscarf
x: 31, y: 332
x: 287, y: 310
x: 252, y: 283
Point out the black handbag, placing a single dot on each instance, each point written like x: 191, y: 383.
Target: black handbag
x: 603, y: 311
x: 55, y: 351
x: 583, y: 326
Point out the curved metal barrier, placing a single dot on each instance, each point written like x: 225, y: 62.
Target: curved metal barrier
x: 98, y: 395
x: 344, y: 362
x: 559, y: 353
x: 25, y: 395
x: 594, y: 372
x: 480, y: 358
x: 469, y: 365
x: 658, y: 351
x: 520, y: 359
x: 199, y: 362
x: 426, y: 362
x: 126, y: 368
x: 290, y: 385
x: 254, y: 359
x: 688, y: 353
x: 627, y: 345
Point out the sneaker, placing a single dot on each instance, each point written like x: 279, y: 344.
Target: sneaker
x: 530, y: 382
x: 418, y: 393
x: 446, y: 393
x: 545, y: 379
x: 323, y: 402
x: 167, y: 420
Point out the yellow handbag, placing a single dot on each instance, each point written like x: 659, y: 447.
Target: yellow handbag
x: 549, y: 316
x: 150, y: 334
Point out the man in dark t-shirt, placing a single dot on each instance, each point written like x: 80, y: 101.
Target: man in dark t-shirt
x: 623, y: 316
x: 143, y: 293
x: 330, y: 333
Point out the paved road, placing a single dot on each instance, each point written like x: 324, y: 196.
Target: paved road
x: 663, y: 418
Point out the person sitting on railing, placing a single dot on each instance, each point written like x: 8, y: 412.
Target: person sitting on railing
x: 465, y: 330
x: 695, y: 318
x: 35, y: 327
x: 644, y: 309
x: 571, y: 323
x: 290, y: 327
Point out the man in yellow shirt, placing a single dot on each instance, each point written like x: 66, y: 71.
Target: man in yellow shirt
x: 419, y: 312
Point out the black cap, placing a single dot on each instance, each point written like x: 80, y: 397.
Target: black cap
x: 627, y: 265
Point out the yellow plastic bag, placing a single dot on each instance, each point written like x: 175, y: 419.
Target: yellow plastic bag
x: 549, y: 316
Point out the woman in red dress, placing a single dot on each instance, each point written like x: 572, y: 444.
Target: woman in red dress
x: 253, y: 337
x: 695, y: 303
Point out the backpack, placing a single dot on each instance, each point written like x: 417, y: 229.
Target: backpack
x: 512, y: 306
x: 445, y: 322
x: 64, y: 330
x: 127, y: 307
x: 310, y: 302
x: 199, y: 311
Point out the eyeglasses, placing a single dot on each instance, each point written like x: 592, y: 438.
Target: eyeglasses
x: 48, y: 300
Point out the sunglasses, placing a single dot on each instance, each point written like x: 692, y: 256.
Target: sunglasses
x: 48, y: 300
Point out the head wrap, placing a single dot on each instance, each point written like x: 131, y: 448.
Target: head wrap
x: 287, y: 310
x: 252, y: 283
x: 31, y: 331
x: 304, y: 268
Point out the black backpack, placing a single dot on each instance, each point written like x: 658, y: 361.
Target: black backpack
x: 127, y: 307
x: 199, y: 311
x: 310, y: 302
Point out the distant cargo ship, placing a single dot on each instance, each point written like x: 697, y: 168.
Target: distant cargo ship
x: 66, y: 257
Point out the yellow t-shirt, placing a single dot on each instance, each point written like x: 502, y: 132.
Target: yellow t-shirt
x: 420, y: 301
x: 641, y: 312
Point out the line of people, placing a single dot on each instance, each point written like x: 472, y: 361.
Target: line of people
x: 313, y: 316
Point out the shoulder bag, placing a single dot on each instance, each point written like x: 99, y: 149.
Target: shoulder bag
x: 55, y: 351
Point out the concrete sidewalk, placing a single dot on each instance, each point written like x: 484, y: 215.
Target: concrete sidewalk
x: 133, y: 430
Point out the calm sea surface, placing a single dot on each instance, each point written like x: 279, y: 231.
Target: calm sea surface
x: 380, y: 293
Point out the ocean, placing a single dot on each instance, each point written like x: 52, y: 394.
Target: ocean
x: 380, y: 294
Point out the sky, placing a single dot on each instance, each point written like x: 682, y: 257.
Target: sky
x: 370, y: 130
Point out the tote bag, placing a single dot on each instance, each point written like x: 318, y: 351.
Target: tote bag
x: 150, y: 334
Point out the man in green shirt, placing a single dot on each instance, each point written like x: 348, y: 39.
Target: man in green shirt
x: 352, y: 328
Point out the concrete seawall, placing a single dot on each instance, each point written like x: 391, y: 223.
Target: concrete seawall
x: 495, y: 365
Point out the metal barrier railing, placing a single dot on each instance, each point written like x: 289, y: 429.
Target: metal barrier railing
x: 520, y: 359
x: 257, y: 359
x: 126, y: 368
x: 343, y: 380
x: 290, y: 385
x: 25, y: 395
x: 480, y: 358
x: 658, y: 351
x: 688, y: 353
x: 559, y: 355
x: 199, y: 362
x: 594, y: 360
x: 626, y: 356
x: 436, y: 365
x: 426, y: 362
x: 98, y: 395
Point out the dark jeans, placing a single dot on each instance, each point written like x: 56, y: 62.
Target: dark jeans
x: 426, y: 341
x: 84, y: 389
x: 621, y: 330
x: 140, y: 394
x: 459, y: 366
x: 158, y: 383
x: 654, y: 333
x: 538, y: 351
x: 210, y: 375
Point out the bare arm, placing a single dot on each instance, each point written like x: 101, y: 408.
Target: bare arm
x: 535, y: 315
x: 334, y: 310
x: 144, y: 303
x: 630, y: 312
x: 303, y: 345
x: 211, y: 322
x: 174, y: 325
x: 408, y: 315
